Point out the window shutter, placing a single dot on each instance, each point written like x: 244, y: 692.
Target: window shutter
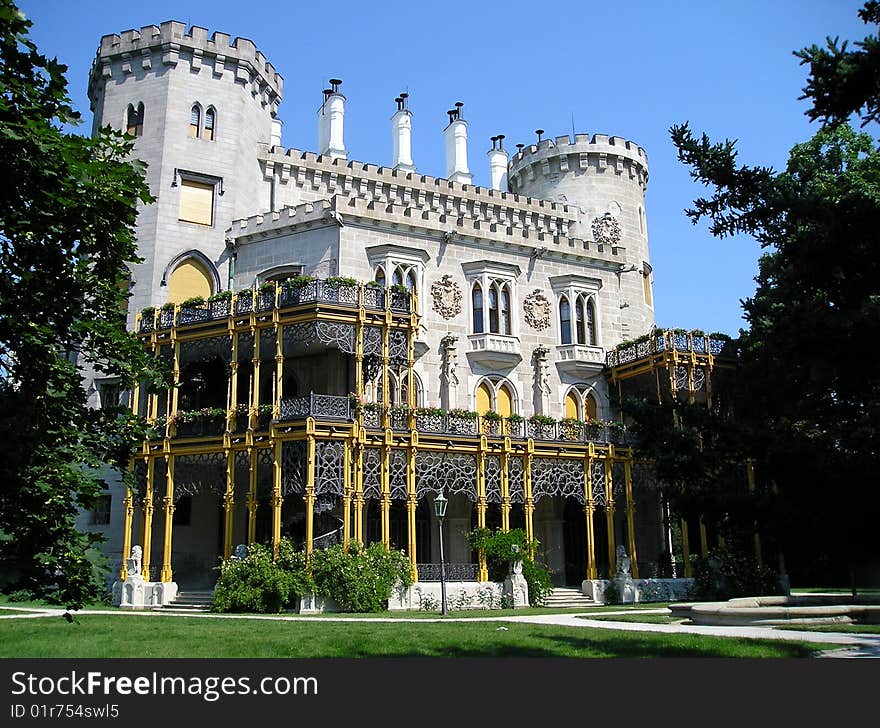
x: 196, y: 202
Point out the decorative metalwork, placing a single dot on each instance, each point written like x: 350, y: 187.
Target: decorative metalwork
x: 606, y: 229
x: 570, y: 431
x: 245, y: 346
x: 461, y: 424
x: 203, y: 473
x: 446, y: 296
x: 642, y: 474
x: 268, y: 343
x: 330, y: 333
x: 452, y: 473
x: 397, y: 471
x: 374, y: 297
x: 400, y: 301
x: 542, y: 430
x: 372, y: 473
x: 681, y: 377
x: 244, y: 302
x: 699, y: 379
x: 329, y: 467
x: 398, y: 348
x: 536, y: 308
x: 716, y: 346
x: 140, y: 481
x: 430, y: 421
x: 202, y: 350
x: 618, y: 480
x: 324, y: 406
x: 166, y: 318
x: 265, y: 473
x: 372, y: 417
x: 265, y: 300
x: 597, y: 483
x: 241, y: 475
x: 398, y: 418
x: 372, y: 341
x: 147, y: 323
x: 557, y: 477
x: 681, y: 341
x: 699, y: 344
x: 515, y: 479
x: 492, y: 472
x: 453, y: 572
x: 293, y: 467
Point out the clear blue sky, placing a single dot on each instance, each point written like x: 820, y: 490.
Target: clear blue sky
x: 630, y: 68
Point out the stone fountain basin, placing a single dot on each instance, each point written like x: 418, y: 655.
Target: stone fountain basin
x: 772, y: 611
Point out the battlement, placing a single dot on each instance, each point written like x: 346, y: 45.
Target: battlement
x: 170, y: 37
x: 598, y: 151
x: 346, y: 207
x: 385, y: 183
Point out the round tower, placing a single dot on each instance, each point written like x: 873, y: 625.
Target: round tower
x: 604, y: 178
x: 199, y: 105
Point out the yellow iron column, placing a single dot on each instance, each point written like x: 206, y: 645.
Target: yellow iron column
x: 252, y: 495
x: 630, y: 516
x: 279, y: 369
x: 359, y: 489
x: 412, y: 502
x: 310, y: 486
x: 255, y: 391
x: 505, y: 486
x: 609, y: 511
x: 385, y: 497
x: 529, y: 504
x: 228, y: 503
x: 588, y: 512
x: 276, y: 497
x: 481, y: 504
x: 347, y: 444
x: 169, y: 521
x: 128, y: 506
x: 148, y: 521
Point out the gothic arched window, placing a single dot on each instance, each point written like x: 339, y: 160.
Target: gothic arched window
x: 195, y: 121
x: 565, y: 320
x: 210, y: 124
x: 591, y: 323
x: 134, y: 120
x: 477, y: 301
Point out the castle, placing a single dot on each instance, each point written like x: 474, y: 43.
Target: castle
x: 349, y: 340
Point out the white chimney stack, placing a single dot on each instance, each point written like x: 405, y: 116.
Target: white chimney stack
x: 456, y: 147
x: 498, y: 161
x: 331, y: 116
x: 275, y: 139
x: 401, y: 136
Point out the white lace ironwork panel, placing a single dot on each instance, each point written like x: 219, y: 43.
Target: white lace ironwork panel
x: 293, y: 467
x: 265, y: 472
x: 515, y: 479
x: 329, y: 467
x: 372, y: 341
x: 452, y: 473
x: 372, y: 473
x: 397, y: 474
x: 557, y: 477
x: 203, y: 473
x: 597, y: 482
x: 492, y: 466
x: 618, y: 481
x: 199, y: 350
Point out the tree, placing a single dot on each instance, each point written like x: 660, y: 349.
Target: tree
x: 808, y: 380
x: 67, y: 215
x: 843, y: 82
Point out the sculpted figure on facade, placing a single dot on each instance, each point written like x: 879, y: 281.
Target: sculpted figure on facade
x: 606, y: 229
x: 537, y: 310
x: 450, y: 360
x: 446, y: 296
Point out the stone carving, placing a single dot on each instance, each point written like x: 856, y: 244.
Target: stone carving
x: 537, y: 310
x: 542, y: 369
x: 515, y: 587
x: 240, y: 552
x: 450, y: 358
x: 623, y: 561
x: 447, y: 297
x: 134, y: 561
x: 606, y: 229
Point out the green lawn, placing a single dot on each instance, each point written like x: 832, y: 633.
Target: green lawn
x: 133, y: 636
x: 483, y: 613
x: 856, y: 628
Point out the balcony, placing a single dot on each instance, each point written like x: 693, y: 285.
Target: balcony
x: 495, y: 351
x: 669, y: 340
x: 580, y: 359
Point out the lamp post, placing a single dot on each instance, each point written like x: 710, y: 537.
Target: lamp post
x: 440, y: 511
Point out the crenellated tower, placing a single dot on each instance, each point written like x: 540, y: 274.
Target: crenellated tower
x: 199, y: 105
x: 603, y: 179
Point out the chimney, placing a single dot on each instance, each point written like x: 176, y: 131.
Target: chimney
x: 330, y: 120
x: 456, y: 147
x: 401, y: 136
x: 275, y: 138
x: 498, y: 161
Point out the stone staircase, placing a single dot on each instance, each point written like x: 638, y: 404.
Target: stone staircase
x: 565, y: 597
x: 191, y: 601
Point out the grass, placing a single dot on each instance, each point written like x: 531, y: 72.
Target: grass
x: 483, y: 613
x: 134, y: 636
x: 830, y: 590
x: 855, y: 628
x: 32, y: 604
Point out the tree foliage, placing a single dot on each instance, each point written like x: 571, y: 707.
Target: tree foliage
x: 808, y: 386
x: 67, y: 215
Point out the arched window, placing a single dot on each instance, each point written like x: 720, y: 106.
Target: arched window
x: 477, y: 300
x: 495, y: 395
x: 504, y: 401
x: 210, y: 124
x: 505, y: 311
x: 195, y: 121
x: 411, y: 284
x: 565, y: 320
x: 134, y: 121
x: 572, y: 405
x: 397, y: 277
x: 493, y: 308
x: 484, y: 398
x: 580, y: 403
x: 589, y: 407
x: 380, y: 275
x: 188, y: 280
x: 580, y: 332
x: 591, y: 323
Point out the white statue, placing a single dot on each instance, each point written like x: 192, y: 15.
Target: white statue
x: 135, y: 559
x: 240, y: 552
x: 623, y: 561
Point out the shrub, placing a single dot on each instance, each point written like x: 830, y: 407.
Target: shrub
x: 148, y: 312
x: 502, y: 549
x: 542, y: 420
x: 296, y: 282
x: 538, y: 579
x: 340, y: 281
x: 726, y: 574
x: 194, y: 301
x: 491, y: 416
x: 167, y: 306
x: 221, y: 296
x: 252, y: 584
x: 361, y: 579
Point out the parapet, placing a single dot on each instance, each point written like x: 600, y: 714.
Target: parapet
x: 170, y: 37
x: 598, y: 151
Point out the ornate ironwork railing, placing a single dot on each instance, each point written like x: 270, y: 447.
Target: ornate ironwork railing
x: 319, y: 291
x: 200, y: 426
x: 454, y: 572
x: 665, y: 340
x: 326, y: 406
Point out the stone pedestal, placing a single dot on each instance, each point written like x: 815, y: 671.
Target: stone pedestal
x: 626, y: 591
x: 135, y: 593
